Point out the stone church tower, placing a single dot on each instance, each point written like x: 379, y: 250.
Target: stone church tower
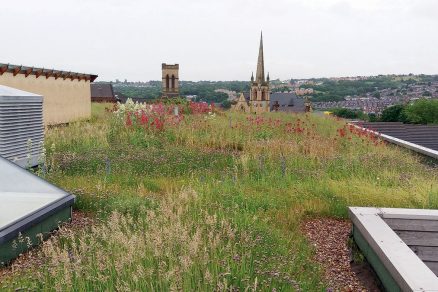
x: 170, y: 80
x: 260, y: 91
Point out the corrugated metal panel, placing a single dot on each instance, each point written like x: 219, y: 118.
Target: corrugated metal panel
x: 423, y: 135
x: 21, y: 126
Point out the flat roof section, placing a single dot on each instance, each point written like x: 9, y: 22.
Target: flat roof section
x: 423, y: 135
x: 419, y: 138
x: 391, y: 253
x: 28, y: 206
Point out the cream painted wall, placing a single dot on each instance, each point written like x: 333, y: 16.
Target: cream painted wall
x: 64, y: 100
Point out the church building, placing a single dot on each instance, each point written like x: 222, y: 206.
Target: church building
x: 260, y: 100
x: 259, y: 95
x: 260, y: 91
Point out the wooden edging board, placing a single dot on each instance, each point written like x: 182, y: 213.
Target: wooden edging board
x: 404, y: 266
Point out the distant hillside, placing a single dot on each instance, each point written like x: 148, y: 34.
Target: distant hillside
x: 325, y: 89
x: 336, y: 89
x: 202, y: 90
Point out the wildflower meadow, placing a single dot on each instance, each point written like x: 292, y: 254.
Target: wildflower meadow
x: 187, y: 197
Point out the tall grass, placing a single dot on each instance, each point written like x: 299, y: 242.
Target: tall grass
x: 215, y: 201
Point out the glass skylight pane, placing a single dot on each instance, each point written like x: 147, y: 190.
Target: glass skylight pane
x: 23, y: 193
x: 17, y: 205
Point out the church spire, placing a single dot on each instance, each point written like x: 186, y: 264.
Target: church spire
x: 260, y: 74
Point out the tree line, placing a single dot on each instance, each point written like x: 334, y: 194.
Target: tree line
x: 203, y: 90
x: 422, y: 111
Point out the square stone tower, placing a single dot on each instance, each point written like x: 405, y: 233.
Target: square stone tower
x: 170, y: 80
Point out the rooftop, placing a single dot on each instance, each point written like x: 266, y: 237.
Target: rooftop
x: 26, y: 70
x: 102, y: 90
x: 423, y: 135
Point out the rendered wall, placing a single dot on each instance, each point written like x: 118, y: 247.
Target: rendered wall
x: 64, y: 100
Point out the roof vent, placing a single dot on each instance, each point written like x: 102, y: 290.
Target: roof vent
x: 21, y: 126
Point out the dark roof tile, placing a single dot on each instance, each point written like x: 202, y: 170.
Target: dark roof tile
x: 288, y: 102
x: 102, y: 90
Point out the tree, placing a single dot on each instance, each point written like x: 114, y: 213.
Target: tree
x: 226, y: 104
x: 423, y: 111
x: 348, y: 113
x: 372, y: 117
x: 394, y: 113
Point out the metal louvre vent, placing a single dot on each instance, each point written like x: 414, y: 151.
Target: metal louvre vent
x: 21, y: 126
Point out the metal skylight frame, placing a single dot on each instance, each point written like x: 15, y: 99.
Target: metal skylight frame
x: 48, y: 211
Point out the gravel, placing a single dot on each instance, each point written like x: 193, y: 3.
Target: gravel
x: 330, y: 239
x: 32, y: 259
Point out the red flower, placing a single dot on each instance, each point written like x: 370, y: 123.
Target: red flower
x: 144, y: 119
x: 128, y: 120
x: 341, y: 132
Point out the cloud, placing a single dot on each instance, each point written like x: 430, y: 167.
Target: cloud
x: 219, y: 39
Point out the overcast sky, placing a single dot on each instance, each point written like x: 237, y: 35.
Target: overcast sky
x: 218, y: 39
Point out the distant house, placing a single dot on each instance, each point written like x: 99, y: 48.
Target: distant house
x: 120, y: 97
x: 287, y: 102
x: 67, y: 95
x: 102, y: 92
